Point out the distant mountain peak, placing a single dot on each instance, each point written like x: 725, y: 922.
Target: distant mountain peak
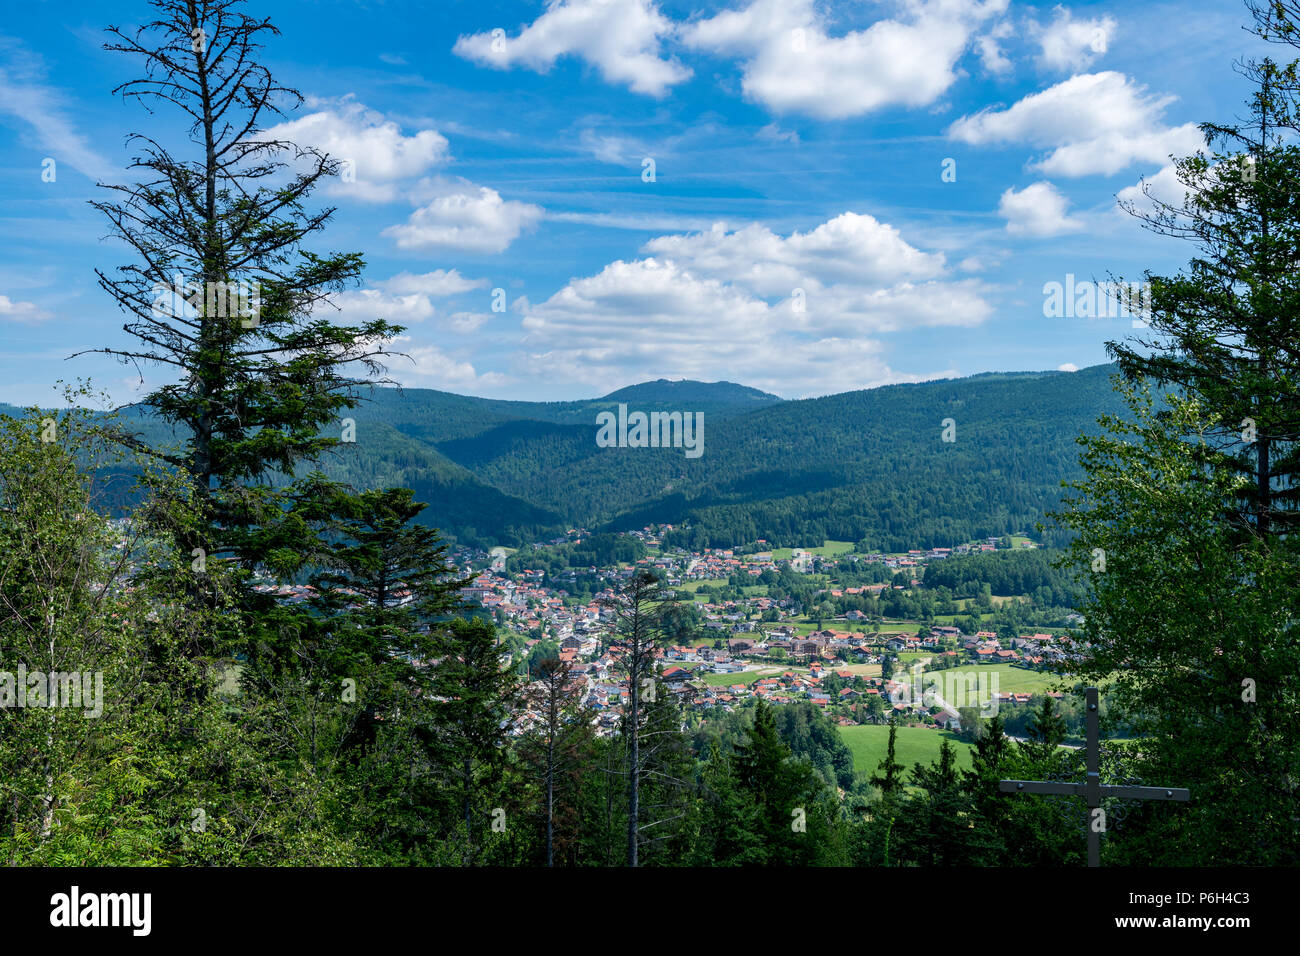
x: 688, y: 390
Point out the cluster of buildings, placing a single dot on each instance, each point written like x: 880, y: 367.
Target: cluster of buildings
x: 1030, y: 649
x: 790, y: 665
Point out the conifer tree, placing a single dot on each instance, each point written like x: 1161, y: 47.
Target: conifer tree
x: 225, y: 294
x: 558, y: 749
x: 641, y: 608
x: 890, y: 776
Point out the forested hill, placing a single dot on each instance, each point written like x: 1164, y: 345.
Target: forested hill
x: 859, y: 465
x: 721, y: 393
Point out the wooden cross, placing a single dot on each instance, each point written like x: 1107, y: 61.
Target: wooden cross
x: 1092, y: 789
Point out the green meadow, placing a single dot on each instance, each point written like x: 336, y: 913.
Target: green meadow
x: 914, y: 744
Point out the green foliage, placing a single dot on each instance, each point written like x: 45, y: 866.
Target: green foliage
x: 769, y: 807
x: 794, y: 473
x: 1190, y: 621
x: 1005, y: 572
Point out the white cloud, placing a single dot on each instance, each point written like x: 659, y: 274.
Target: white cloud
x: 1071, y: 45
x: 467, y: 322
x: 467, y: 218
x: 42, y: 109
x: 630, y: 297
x: 438, y: 283
x: 365, y: 304
x: 404, y: 298
x: 990, y: 51
x: 1092, y: 123
x: 381, y: 156
x: 1038, y: 211
x: 846, y: 310
x: 851, y: 247
x: 638, y: 222
x: 609, y: 148
x: 428, y: 366
x: 790, y: 313
x: 774, y: 134
x: 25, y: 312
x: 1163, y: 186
x: 1067, y: 367
x: 621, y: 38
x: 791, y: 64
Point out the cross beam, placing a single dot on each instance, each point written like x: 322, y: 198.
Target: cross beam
x: 1092, y: 789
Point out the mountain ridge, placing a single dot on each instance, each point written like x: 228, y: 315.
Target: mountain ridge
x: 868, y: 464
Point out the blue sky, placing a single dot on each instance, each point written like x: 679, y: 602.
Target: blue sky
x: 798, y: 235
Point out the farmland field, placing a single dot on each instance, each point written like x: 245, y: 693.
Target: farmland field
x: 829, y: 549
x: 740, y: 677
x: 1011, y: 680
x: 868, y: 743
x: 862, y: 670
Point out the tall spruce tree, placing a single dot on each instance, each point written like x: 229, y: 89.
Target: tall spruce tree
x: 475, y: 694
x: 225, y: 296
x: 558, y: 749
x: 1226, y: 329
x: 641, y: 608
x: 890, y: 776
x: 938, y: 830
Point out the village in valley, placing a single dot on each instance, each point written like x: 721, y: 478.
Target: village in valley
x: 784, y: 626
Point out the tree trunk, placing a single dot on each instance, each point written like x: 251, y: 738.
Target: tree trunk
x: 634, y: 774
x: 550, y: 801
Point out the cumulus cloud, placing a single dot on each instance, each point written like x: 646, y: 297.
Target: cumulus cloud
x: 621, y: 38
x: 1090, y: 123
x: 1071, y: 45
x: 643, y: 294
x: 1163, y: 186
x: 990, y: 49
x: 792, y: 65
x: 1067, y: 367
x: 25, y: 312
x: 404, y: 298
x: 1037, y: 211
x: 852, y: 247
x: 795, y: 369
x: 379, y: 153
x: 792, y: 310
x: 438, y: 283
x: 465, y: 217
x: 427, y: 366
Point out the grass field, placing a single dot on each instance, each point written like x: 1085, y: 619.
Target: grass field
x: 901, y: 627
x: 748, y: 677
x: 829, y: 549
x: 914, y: 744
x: 726, y: 680
x: 857, y: 627
x: 1011, y: 680
x: 691, y: 587
x: 863, y: 670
